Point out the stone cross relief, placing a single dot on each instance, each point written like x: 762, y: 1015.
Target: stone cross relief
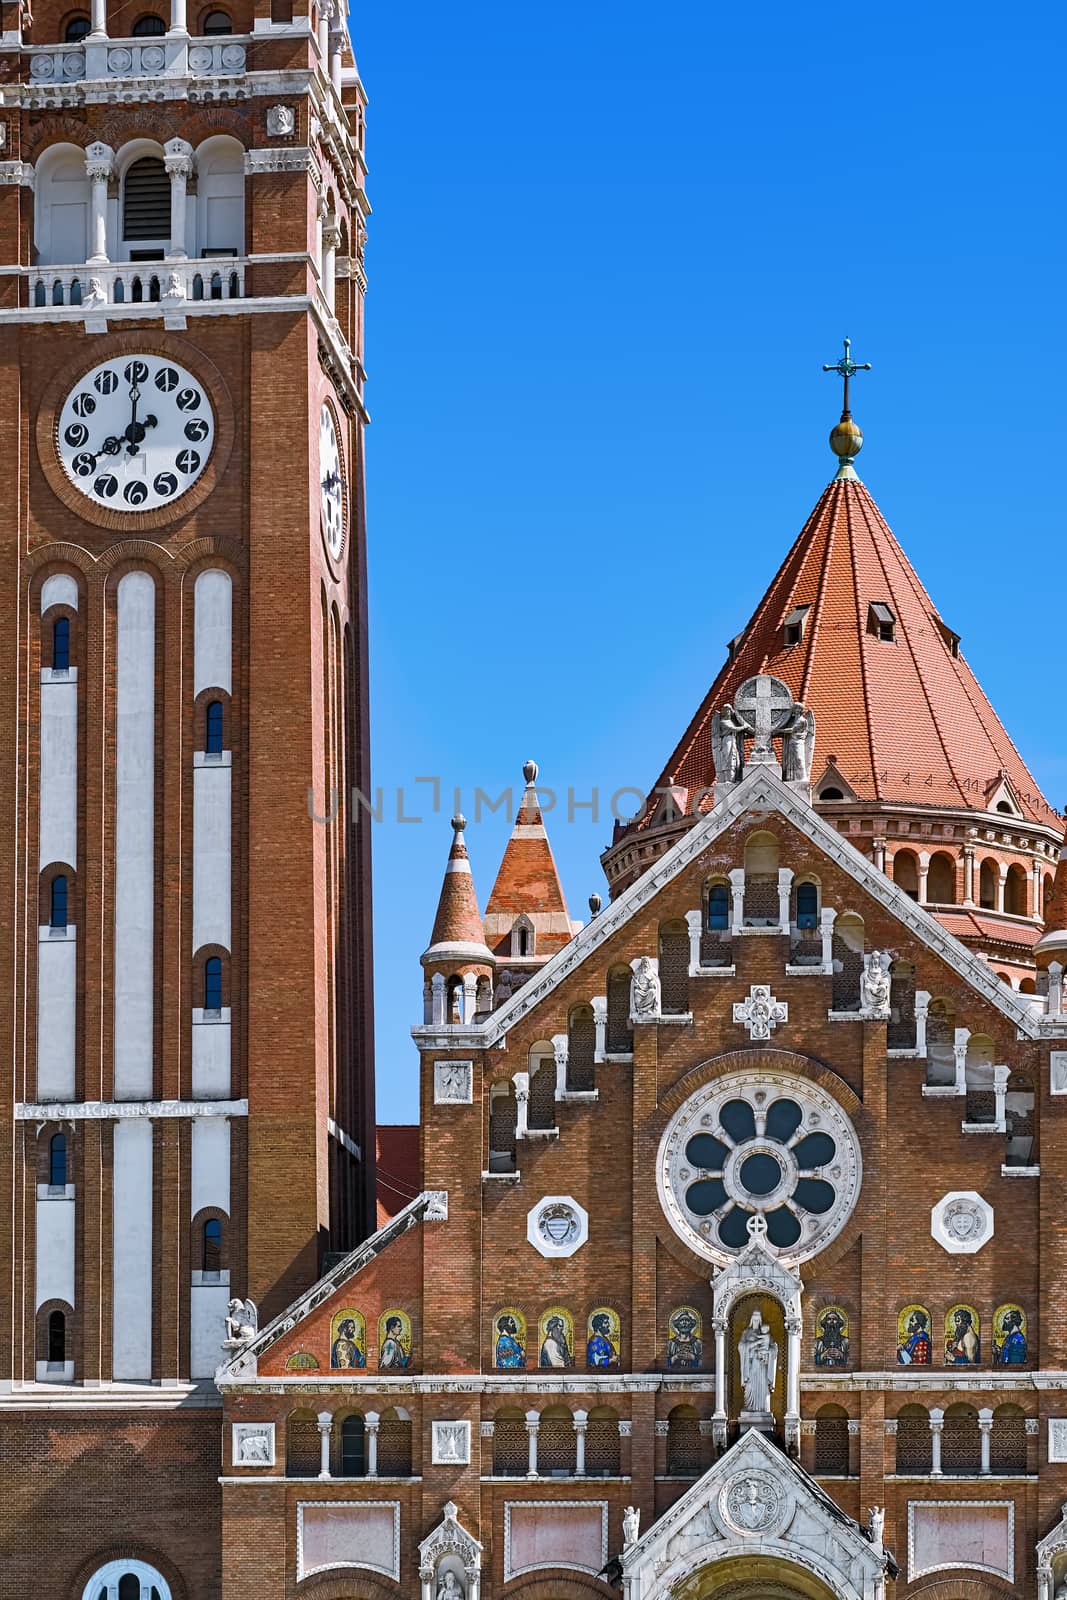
x: 763, y: 710
x: 760, y: 1012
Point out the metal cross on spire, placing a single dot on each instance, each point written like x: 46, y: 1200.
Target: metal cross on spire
x: 846, y: 367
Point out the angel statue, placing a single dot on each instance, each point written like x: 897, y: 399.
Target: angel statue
x: 758, y: 1353
x: 876, y: 1525
x: 798, y: 745
x: 728, y: 744
x: 631, y: 1526
x: 242, y: 1322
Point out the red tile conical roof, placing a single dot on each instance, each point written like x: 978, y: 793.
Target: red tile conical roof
x: 902, y: 718
x: 458, y: 920
x: 527, y: 883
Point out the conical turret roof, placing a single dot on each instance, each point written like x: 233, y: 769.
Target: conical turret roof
x: 899, y: 715
x: 528, y: 884
x: 457, y: 927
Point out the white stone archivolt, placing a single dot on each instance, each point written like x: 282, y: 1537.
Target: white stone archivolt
x: 962, y: 1222
x: 450, y: 1560
x: 759, y: 1144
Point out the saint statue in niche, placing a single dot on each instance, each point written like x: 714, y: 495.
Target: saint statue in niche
x: 963, y: 1347
x: 758, y: 1353
x: 914, y: 1347
x: 510, y: 1349
x: 450, y: 1588
x: 555, y: 1347
x: 685, y: 1348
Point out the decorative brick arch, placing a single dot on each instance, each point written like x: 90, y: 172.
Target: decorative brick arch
x: 964, y: 1589
x: 769, y: 1060
x: 558, y: 1583
x: 129, y: 1551
x: 349, y: 1586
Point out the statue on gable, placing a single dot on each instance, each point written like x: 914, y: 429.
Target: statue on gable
x: 876, y: 984
x: 644, y: 990
x: 728, y: 744
x: 242, y: 1323
x: 798, y: 745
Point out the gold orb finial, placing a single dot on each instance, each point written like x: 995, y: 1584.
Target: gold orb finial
x: 846, y: 439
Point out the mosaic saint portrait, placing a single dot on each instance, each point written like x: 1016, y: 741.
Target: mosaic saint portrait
x: 348, y: 1341
x: 509, y: 1339
x: 555, y: 1333
x: 394, y: 1340
x: 1009, y: 1336
x: 963, y: 1343
x: 915, y: 1347
x: 685, y: 1348
x: 602, y: 1338
x: 831, y: 1337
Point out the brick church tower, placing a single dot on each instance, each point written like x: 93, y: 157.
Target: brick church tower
x: 188, y: 1087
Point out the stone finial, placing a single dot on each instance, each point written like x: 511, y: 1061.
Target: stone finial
x: 529, y: 771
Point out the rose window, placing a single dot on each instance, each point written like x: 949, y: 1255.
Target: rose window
x: 759, y: 1143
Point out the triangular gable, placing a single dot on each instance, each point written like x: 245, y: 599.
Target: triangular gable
x: 833, y: 785
x: 757, y: 1501
x: 1001, y: 796
x: 761, y: 789
x: 430, y: 1206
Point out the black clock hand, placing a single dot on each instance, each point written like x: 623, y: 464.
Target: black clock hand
x: 135, y: 431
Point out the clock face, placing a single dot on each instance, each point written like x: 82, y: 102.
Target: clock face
x: 331, y: 484
x: 135, y: 433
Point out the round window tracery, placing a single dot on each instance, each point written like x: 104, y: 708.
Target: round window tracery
x: 767, y: 1143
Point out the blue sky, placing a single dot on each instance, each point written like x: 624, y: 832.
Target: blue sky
x: 611, y: 247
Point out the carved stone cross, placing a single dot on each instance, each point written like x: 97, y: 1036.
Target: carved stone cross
x: 760, y: 1013
x: 766, y: 704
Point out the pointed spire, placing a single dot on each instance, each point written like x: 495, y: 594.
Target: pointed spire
x: 527, y: 896
x: 846, y: 439
x: 458, y: 922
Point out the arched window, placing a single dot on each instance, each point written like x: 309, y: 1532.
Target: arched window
x: 940, y: 1042
x: 1015, y: 895
x: 761, y: 880
x: 57, y: 901
x: 217, y: 22
x: 57, y: 1338
x: 961, y: 1444
x: 674, y: 967
x: 394, y: 1444
x: 941, y: 880
x: 511, y: 1447
x: 831, y: 1442
x: 541, y: 1106
x: 148, y: 27
x: 352, y: 1447
x: 557, y: 1443
x: 61, y: 645
x: 620, y: 1039
x: 146, y: 199
x: 502, y: 1122
x: 683, y: 1443
x: 211, y: 1247
x: 303, y: 1452
x: 1007, y: 1444
x: 220, y: 199
x: 900, y: 1034
x: 57, y: 1161
x: 76, y: 29
x: 61, y: 205
x: 915, y: 1451
x: 602, y: 1444
x: 807, y: 905
x: 987, y: 886
x: 718, y: 908
x: 847, y: 948
x: 128, y: 1580
x: 213, y: 984
x: 213, y: 728
x: 979, y: 1079
x: 906, y: 873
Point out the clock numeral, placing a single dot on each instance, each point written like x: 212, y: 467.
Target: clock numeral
x: 165, y: 483
x: 167, y: 379
x: 188, y: 399
x: 106, y: 382
x: 107, y: 486
x: 197, y: 430
x: 135, y: 494
x: 84, y: 465
x: 77, y: 435
x: 187, y: 460
x: 136, y: 371
x: 83, y: 405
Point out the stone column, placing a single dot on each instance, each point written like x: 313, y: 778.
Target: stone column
x: 521, y: 1080
x: 1037, y: 910
x: 937, y: 1427
x: 426, y: 1577
x: 1002, y: 878
x: 1001, y: 1074
x: 922, y: 1011
x: 792, y: 1383
x: 560, y: 1050
x: 879, y: 854
x: 99, y: 20
x: 581, y: 1424
x: 470, y: 997
x: 325, y: 1422
x: 336, y: 45
x: 533, y: 1422
x: 99, y: 165
x: 720, y: 1419
x: 924, y: 869
x: 331, y: 239
x: 1055, y: 988
x: 785, y: 884
x: 737, y: 894
x: 323, y: 34
x: 694, y: 921
x: 179, y: 164
x: 968, y: 874
x: 371, y: 1423
x: 959, y: 1051
x: 177, y: 17
x: 985, y: 1427
x: 827, y: 918
x: 600, y: 1023
x: 440, y: 998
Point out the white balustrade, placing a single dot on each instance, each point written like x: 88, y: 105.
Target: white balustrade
x: 96, y: 284
x: 175, y: 56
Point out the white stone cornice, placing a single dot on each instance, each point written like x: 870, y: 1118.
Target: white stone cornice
x: 16, y: 172
x: 112, y: 1110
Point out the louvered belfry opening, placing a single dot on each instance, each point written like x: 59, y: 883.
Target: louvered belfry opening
x: 146, y: 200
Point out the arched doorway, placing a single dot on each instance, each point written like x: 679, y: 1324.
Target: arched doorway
x: 756, y: 1577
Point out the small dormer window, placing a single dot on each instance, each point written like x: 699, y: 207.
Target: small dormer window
x: 881, y: 621
x: 951, y: 640
x: 522, y: 937
x: 733, y: 646
x: 794, y: 625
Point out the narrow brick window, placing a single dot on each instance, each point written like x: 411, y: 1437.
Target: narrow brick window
x: 61, y: 645
x: 57, y: 1161
x: 57, y: 1338
x: 211, y: 1247
x: 352, y: 1442
x: 57, y: 903
x: 213, y: 984
x: 213, y: 728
